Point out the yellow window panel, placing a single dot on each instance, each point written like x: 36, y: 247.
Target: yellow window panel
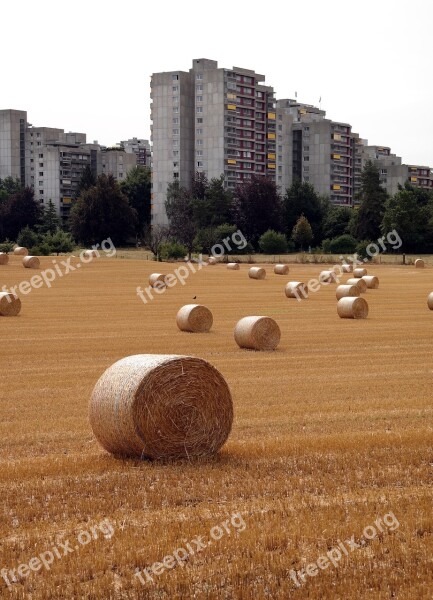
x: 67, y: 200
x: 271, y: 136
x: 272, y: 156
x: 336, y: 187
x: 271, y: 116
x: 230, y: 161
x: 302, y: 111
x: 337, y: 137
x: 231, y: 106
x: 336, y: 156
x: 413, y: 168
x: 271, y: 166
x: 414, y: 179
x: 231, y: 96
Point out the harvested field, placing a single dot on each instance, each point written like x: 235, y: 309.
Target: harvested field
x: 332, y: 431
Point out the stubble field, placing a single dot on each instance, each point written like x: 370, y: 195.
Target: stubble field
x: 332, y: 432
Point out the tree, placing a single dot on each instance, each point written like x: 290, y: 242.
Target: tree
x: 28, y: 238
x: 372, y: 198
x: 59, y: 241
x: 343, y: 244
x: 154, y: 237
x: 103, y: 212
x: 302, y: 233
x: 257, y: 207
x: 410, y: 219
x: 336, y: 221
x: 17, y: 211
x: 8, y: 187
x: 272, y: 242
x: 50, y: 221
x: 137, y: 187
x: 87, y: 180
x: 302, y: 199
x: 179, y: 208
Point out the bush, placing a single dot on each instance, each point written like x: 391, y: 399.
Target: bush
x: 40, y: 250
x: 272, y: 242
x: 6, y: 246
x: 343, y: 244
x: 172, y: 250
x: 361, y: 249
x: 28, y: 238
x: 326, y: 246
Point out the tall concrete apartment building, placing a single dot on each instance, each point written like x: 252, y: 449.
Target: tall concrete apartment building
x: 13, y: 125
x: 139, y: 147
x: 212, y: 120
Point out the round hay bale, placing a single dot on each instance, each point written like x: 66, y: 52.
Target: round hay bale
x: 372, y: 281
x: 296, y: 289
x: 344, y: 291
x: 281, y: 269
x: 10, y: 304
x: 347, y: 268
x: 4, y: 258
x: 360, y: 282
x: 90, y: 253
x: 161, y: 407
x: 194, y: 318
x: 212, y: 260
x: 257, y: 333
x: 157, y: 280
x: 233, y: 266
x: 419, y: 263
x: 20, y: 251
x: 31, y: 262
x: 430, y: 301
x: 352, y: 308
x: 327, y: 277
x: 359, y: 273
x: 257, y: 273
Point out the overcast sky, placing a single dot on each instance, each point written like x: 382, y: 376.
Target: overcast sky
x: 86, y: 65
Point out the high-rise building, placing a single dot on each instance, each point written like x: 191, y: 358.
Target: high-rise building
x: 117, y: 162
x: 139, y: 147
x: 211, y: 120
x: 13, y: 124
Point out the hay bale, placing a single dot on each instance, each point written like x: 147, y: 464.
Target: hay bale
x: 20, y: 251
x: 257, y: 273
x: 212, y: 260
x: 419, y: 263
x: 296, y: 289
x: 31, y: 262
x: 327, y: 277
x: 352, y: 308
x: 357, y: 273
x: 233, y: 266
x: 10, y: 304
x: 157, y: 280
x: 372, y: 281
x: 257, y: 333
x: 4, y: 258
x: 360, y: 282
x: 161, y: 407
x: 347, y: 268
x: 344, y: 291
x: 281, y: 269
x: 430, y: 301
x: 90, y: 253
x: 194, y: 318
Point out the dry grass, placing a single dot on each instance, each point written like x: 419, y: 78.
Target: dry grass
x: 332, y: 430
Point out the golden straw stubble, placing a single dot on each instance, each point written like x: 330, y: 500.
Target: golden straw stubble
x: 4, y: 258
x: 352, y: 308
x: 10, y: 304
x: 161, y: 407
x: 257, y: 333
x: 194, y: 318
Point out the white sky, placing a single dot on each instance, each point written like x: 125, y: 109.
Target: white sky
x: 85, y: 65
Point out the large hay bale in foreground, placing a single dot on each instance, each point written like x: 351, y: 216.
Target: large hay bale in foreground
x: 10, y: 304
x: 419, y: 263
x: 257, y: 273
x: 281, y: 269
x: 31, y: 262
x: 372, y: 281
x: 347, y: 268
x: 194, y: 318
x: 359, y: 281
x: 296, y: 289
x: 161, y: 407
x: 352, y: 308
x: 157, y: 280
x: 20, y: 251
x: 327, y: 277
x: 233, y: 266
x: 357, y: 273
x: 430, y: 301
x: 344, y: 291
x: 257, y: 333
x: 4, y: 258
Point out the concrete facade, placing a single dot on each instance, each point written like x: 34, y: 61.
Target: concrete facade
x: 13, y: 124
x: 141, y: 149
x: 117, y: 163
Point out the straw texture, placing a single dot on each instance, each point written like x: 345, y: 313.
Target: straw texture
x: 419, y: 263
x: 20, y: 251
x: 360, y: 282
x: 257, y: 333
x: 157, y: 280
x: 233, y: 266
x: 212, y: 260
x: 281, y: 269
x: 430, y: 301
x: 4, y: 258
x: 359, y: 272
x: 89, y: 253
x: 347, y: 268
x: 343, y: 291
x: 161, y: 407
x: 327, y: 277
x: 194, y: 318
x: 31, y: 262
x: 257, y: 273
x: 296, y: 289
x: 372, y: 281
x: 352, y: 308
x: 10, y: 304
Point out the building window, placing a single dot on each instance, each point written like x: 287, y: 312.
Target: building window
x: 175, y: 89
x: 41, y: 164
x: 175, y: 165
x: 306, y: 148
x: 175, y: 152
x: 199, y: 142
x: 175, y: 77
x: 38, y: 135
x: 41, y: 192
x: 199, y: 76
x: 41, y: 156
x: 175, y: 142
x: 41, y: 173
x: 175, y: 120
x: 175, y: 131
x: 199, y: 87
x: 306, y: 158
x: 199, y: 98
x: 175, y: 175
x: 199, y: 152
x: 199, y: 120
x: 175, y: 109
x: 199, y: 109
x: 306, y: 129
x: 199, y: 163
x: 199, y: 131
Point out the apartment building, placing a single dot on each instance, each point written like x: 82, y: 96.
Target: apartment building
x: 13, y: 124
x: 139, y: 147
x: 116, y: 162
x: 211, y: 120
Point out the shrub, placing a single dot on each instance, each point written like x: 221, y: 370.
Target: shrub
x: 28, y: 238
x: 361, y: 249
x: 343, y: 244
x: 172, y: 250
x: 272, y: 242
x: 40, y: 250
x: 6, y: 246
